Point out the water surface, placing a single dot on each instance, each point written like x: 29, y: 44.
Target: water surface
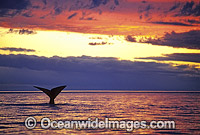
x: 183, y: 108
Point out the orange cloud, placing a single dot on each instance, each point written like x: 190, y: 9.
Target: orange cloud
x: 147, y: 17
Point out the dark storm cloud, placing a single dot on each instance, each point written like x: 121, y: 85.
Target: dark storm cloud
x: 190, y: 40
x: 95, y: 73
x: 21, y: 31
x: 10, y: 8
x: 13, y: 49
x: 187, y: 57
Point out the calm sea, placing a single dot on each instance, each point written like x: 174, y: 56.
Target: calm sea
x: 183, y: 108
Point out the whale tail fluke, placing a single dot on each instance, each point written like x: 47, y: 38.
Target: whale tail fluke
x: 51, y: 93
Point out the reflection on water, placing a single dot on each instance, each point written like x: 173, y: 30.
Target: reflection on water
x: 183, y: 108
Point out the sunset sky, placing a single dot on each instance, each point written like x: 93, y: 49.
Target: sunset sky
x: 100, y: 44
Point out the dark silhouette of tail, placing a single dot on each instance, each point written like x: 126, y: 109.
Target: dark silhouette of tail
x: 51, y: 93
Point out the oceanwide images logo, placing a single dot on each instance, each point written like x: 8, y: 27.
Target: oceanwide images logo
x: 47, y: 123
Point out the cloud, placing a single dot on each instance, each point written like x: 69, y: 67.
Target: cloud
x: 54, y: 15
x: 189, y: 9
x: 72, y: 15
x: 186, y: 57
x: 14, y: 4
x: 87, y: 72
x: 193, y: 21
x: 172, y: 23
x: 92, y: 4
x: 57, y: 11
x: 169, y: 14
x: 145, y: 8
x: 10, y: 8
x: 44, y: 1
x: 27, y: 14
x: 97, y: 3
x: 99, y: 43
x: 116, y: 2
x: 175, y: 6
x: 190, y: 40
x: 13, y: 49
x: 86, y: 16
x: 21, y: 31
x: 130, y: 38
x: 145, y: 11
x: 95, y: 38
x: 185, y: 8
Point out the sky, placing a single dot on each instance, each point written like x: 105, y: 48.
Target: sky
x: 100, y: 44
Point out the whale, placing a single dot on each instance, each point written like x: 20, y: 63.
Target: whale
x: 51, y: 93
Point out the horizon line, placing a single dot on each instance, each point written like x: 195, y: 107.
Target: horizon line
x: 105, y: 91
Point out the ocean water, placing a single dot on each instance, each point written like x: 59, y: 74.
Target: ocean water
x: 183, y: 108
